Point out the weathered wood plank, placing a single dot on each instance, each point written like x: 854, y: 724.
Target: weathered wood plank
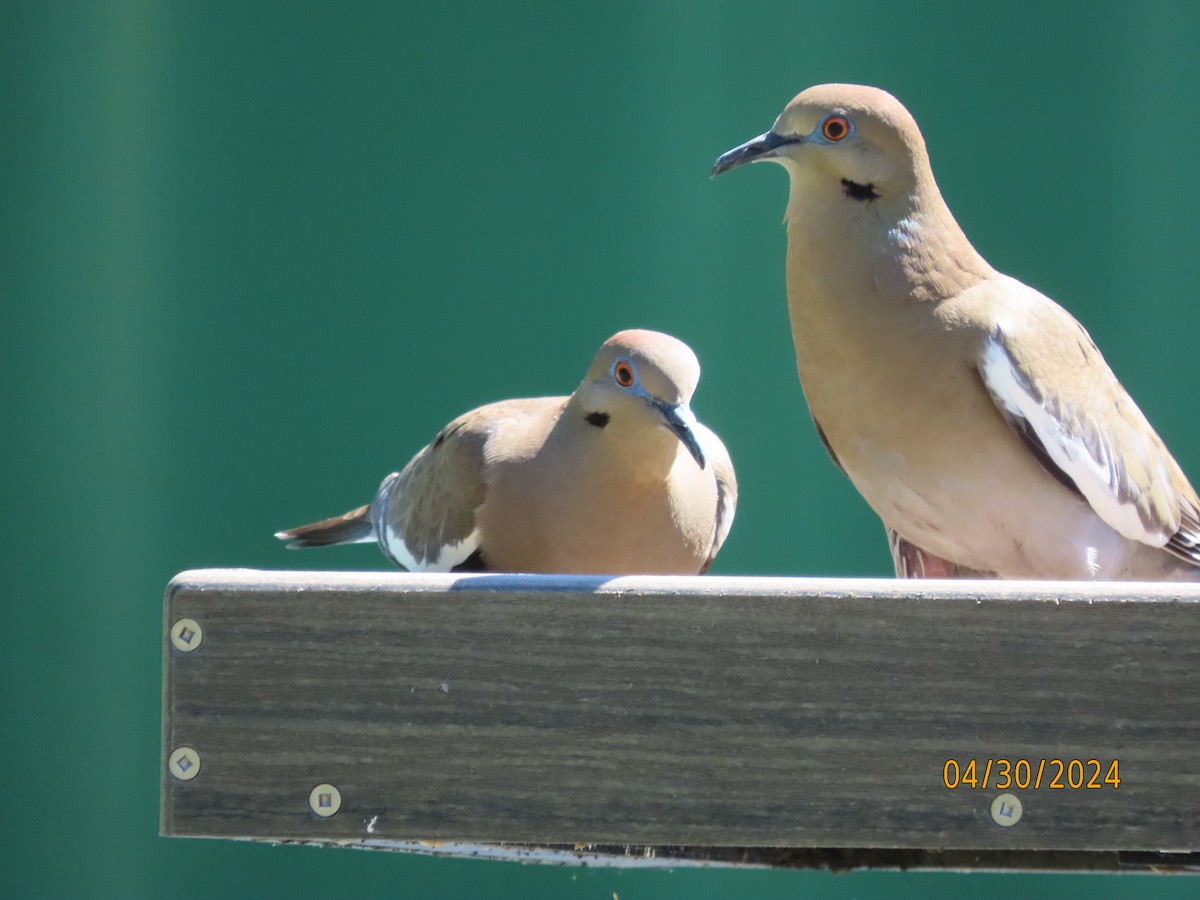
x: 719, y: 712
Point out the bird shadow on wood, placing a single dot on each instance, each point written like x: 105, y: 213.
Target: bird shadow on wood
x: 580, y: 584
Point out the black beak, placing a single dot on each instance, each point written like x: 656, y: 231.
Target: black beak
x: 682, y: 421
x: 762, y: 147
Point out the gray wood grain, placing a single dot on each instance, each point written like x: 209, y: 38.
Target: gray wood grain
x: 719, y: 712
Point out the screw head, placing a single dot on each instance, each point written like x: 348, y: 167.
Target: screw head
x: 184, y: 764
x: 1006, y: 810
x: 186, y: 635
x: 325, y: 800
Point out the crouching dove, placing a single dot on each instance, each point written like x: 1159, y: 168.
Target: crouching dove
x: 618, y: 478
x: 974, y: 415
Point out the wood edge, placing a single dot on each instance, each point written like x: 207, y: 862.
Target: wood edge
x: 164, y: 787
x: 759, y: 586
x: 832, y: 859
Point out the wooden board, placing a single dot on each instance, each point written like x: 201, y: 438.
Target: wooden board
x: 720, y: 713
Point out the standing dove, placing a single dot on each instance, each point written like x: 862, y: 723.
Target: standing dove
x: 618, y: 478
x: 975, y: 415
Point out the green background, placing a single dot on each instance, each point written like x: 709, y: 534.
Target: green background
x: 255, y: 254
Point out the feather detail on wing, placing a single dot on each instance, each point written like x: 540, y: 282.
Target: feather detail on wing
x: 426, y: 515
x: 1073, y: 414
x: 722, y: 468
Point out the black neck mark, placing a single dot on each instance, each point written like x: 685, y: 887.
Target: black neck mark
x: 857, y: 191
x: 599, y: 419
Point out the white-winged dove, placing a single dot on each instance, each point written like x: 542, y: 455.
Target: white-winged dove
x: 618, y: 478
x: 973, y: 414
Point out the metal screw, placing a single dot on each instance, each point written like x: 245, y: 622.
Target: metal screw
x: 184, y: 764
x: 187, y: 635
x: 325, y: 800
x: 1007, y: 810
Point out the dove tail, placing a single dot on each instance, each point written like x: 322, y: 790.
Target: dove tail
x: 353, y: 527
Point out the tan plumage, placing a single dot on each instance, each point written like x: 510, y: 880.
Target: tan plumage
x: 975, y: 415
x: 618, y: 478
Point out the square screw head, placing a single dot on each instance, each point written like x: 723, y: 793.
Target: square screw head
x: 184, y: 764
x: 325, y: 800
x: 186, y: 635
x: 1006, y: 810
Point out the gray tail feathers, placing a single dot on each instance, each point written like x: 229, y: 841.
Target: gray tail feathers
x: 353, y: 527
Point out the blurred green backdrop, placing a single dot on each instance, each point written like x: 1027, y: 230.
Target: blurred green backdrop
x: 256, y: 253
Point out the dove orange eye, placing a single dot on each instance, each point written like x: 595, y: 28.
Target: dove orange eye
x: 835, y: 128
x: 623, y: 372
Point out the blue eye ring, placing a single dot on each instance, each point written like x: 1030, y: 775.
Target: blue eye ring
x: 836, y: 128
x: 624, y: 374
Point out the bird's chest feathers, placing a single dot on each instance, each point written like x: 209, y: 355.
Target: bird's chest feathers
x: 607, y: 523
x: 882, y: 373
x: 847, y: 330
x: 612, y: 496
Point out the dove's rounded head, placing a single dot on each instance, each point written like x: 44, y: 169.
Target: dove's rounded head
x: 860, y: 134
x: 665, y: 367
x: 639, y: 382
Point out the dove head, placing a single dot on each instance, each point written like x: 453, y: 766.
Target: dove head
x: 863, y: 203
x: 859, y: 141
x: 639, y: 382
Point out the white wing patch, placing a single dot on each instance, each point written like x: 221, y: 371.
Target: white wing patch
x: 448, y: 557
x: 1090, y: 468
